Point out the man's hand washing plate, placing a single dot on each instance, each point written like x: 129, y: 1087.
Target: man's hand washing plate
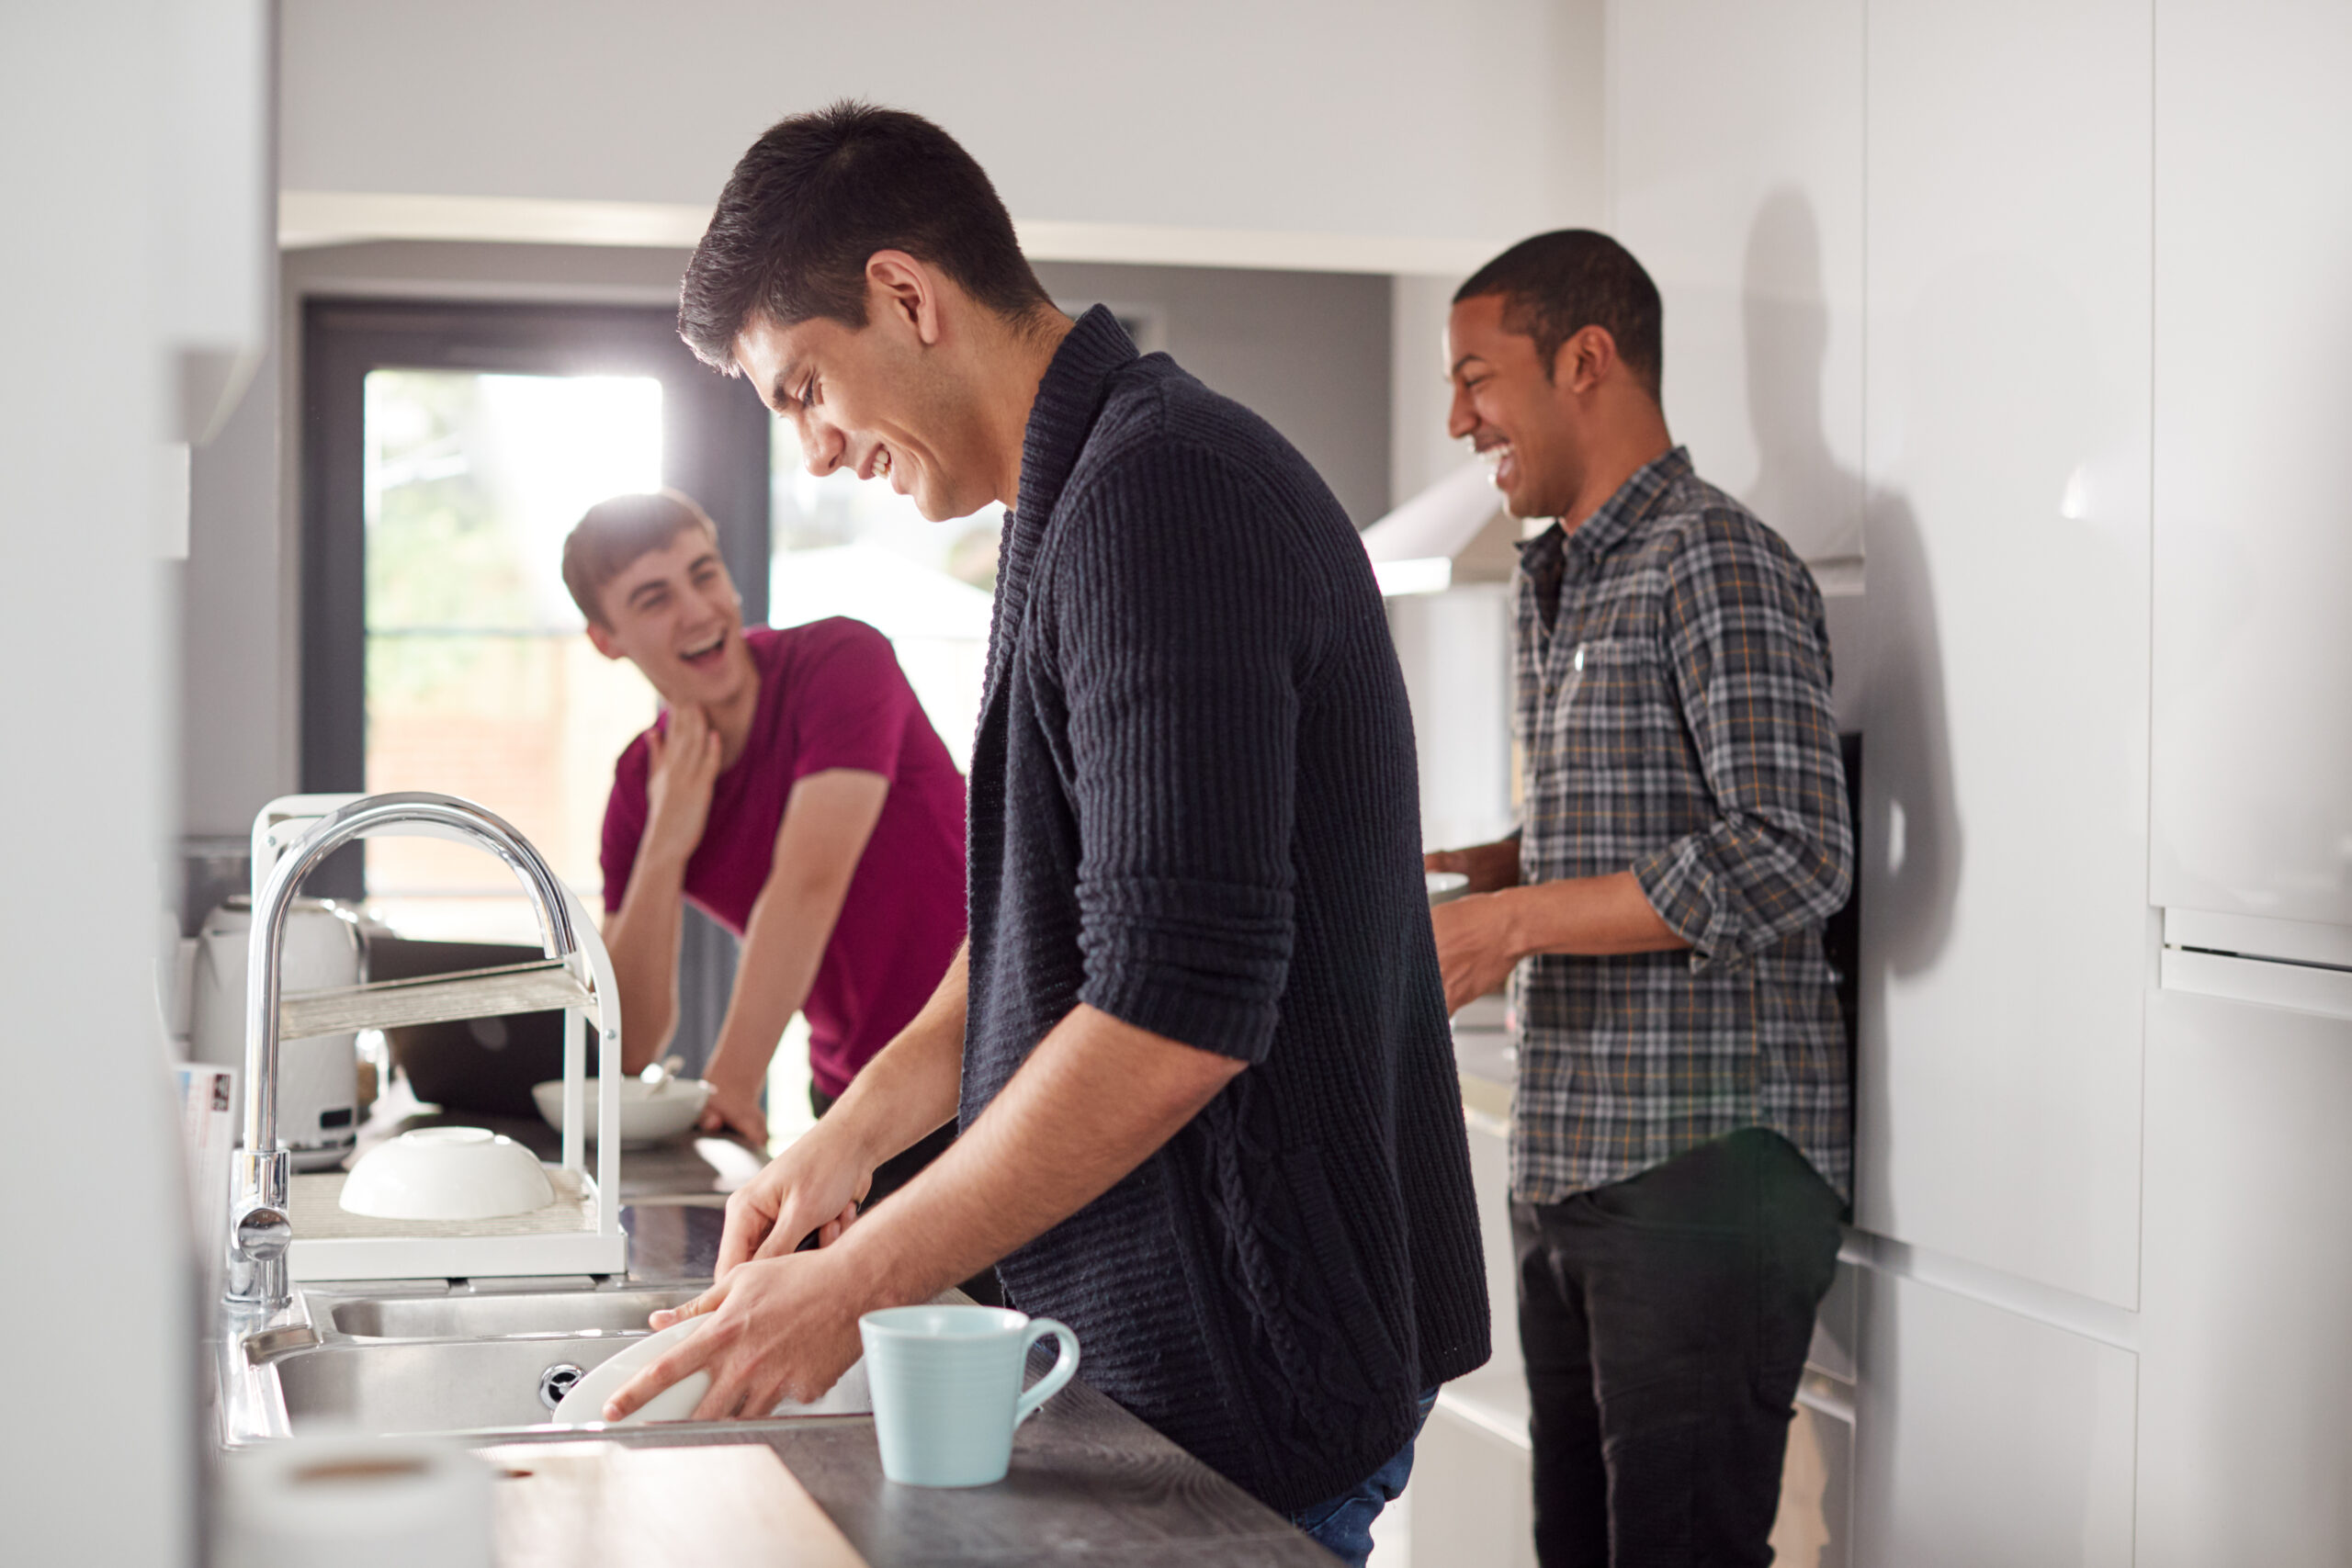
x: 586, y: 1403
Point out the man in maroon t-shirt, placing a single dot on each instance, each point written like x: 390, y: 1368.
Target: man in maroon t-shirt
x: 794, y: 790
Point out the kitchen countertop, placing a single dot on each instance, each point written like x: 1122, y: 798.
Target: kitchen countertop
x: 1090, y: 1484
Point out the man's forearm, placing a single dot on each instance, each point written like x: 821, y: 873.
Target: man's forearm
x: 783, y: 944
x: 1594, y: 916
x: 641, y: 939
x: 909, y: 1091
x: 1091, y: 1103
x: 828, y: 819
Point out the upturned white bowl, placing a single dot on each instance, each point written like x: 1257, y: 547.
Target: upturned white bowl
x: 650, y: 1112
x: 447, y: 1173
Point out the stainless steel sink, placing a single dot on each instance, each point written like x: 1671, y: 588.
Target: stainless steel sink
x: 434, y: 1386
x: 500, y: 1315
x: 440, y: 1357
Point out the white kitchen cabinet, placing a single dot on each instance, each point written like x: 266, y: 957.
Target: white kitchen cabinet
x: 1472, y: 1496
x: 2253, y: 715
x: 2006, y: 938
x: 1986, y: 1438
x: 2246, y: 1391
x: 1735, y: 175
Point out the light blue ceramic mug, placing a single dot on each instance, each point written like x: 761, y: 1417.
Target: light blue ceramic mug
x: 946, y: 1384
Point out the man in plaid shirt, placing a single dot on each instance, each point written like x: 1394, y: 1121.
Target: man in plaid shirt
x: 1680, y: 1144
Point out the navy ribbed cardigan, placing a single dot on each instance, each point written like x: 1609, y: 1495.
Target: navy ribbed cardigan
x: 1194, y: 806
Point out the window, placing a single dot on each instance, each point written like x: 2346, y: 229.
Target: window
x: 481, y: 680
x: 859, y: 548
x: 446, y: 450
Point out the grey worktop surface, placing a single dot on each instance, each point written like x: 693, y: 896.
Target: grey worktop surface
x: 1090, y: 1484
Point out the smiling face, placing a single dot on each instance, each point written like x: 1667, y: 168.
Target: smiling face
x: 674, y: 614
x: 1531, y: 428
x: 885, y: 401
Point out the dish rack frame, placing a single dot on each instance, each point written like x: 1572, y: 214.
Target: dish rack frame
x: 582, y: 983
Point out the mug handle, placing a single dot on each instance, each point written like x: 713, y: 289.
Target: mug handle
x: 1065, y: 1366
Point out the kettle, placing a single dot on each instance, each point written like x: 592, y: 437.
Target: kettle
x: 317, y: 1079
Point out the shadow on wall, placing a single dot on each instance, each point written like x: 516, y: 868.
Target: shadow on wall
x: 1995, y: 387
x: 1907, y: 837
x: 1907, y: 840
x: 1784, y: 317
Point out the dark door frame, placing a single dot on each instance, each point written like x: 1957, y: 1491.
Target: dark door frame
x: 714, y: 447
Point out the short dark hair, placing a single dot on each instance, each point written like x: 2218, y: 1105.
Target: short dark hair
x: 1555, y: 285
x: 816, y: 196
x: 614, y: 533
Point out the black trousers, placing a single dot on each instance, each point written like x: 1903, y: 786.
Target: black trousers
x: 1664, y: 1321
x: 900, y: 1169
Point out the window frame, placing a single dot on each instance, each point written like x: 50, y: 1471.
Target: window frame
x: 714, y: 447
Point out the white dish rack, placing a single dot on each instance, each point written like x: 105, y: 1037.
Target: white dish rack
x: 581, y: 1232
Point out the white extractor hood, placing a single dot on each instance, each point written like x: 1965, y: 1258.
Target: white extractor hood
x: 1455, y: 531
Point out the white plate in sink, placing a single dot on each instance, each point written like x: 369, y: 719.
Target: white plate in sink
x: 585, y: 1403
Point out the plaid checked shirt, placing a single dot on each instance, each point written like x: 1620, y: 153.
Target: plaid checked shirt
x: 1673, y: 719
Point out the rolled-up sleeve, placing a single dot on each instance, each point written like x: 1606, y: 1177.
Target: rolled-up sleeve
x: 1182, y: 620
x: 1750, y: 661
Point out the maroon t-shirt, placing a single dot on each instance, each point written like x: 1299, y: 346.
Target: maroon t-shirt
x: 831, y: 695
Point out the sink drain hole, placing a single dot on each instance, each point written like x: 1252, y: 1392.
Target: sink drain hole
x: 556, y: 1381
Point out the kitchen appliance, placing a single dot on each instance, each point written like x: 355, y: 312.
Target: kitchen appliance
x: 483, y: 1065
x: 318, y: 1101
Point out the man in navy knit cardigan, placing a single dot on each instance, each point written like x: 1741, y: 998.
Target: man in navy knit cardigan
x: 1197, y: 1045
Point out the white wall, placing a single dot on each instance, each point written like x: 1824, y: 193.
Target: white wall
x: 2252, y: 798
x: 97, y: 1456
x: 1392, y: 118
x: 1905, y: 250
x: 1734, y: 170
x: 2074, y: 357
x: 2008, y: 942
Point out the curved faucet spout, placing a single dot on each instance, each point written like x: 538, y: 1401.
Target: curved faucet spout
x: 257, y: 1250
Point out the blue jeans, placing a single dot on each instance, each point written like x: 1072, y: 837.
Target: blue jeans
x: 1342, y: 1525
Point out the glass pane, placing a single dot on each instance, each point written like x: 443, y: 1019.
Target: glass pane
x: 847, y: 548
x: 480, y: 680
x: 472, y: 481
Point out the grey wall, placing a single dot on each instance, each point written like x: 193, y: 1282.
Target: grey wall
x: 1308, y: 351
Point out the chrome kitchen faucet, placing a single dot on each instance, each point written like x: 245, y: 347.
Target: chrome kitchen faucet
x: 261, y: 1229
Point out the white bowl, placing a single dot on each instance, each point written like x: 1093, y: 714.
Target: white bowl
x: 650, y: 1112
x: 586, y: 1403
x: 447, y: 1173
x: 1447, y: 886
